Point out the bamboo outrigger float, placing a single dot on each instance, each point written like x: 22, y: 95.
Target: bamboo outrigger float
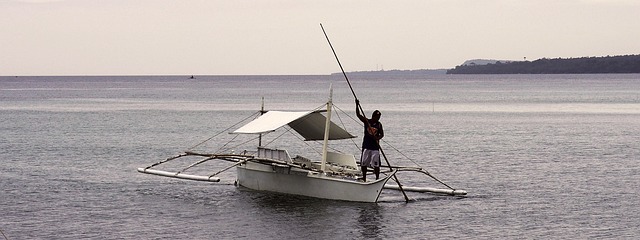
x: 334, y: 176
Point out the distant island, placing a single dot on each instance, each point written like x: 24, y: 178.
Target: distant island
x: 608, y: 64
x: 586, y: 65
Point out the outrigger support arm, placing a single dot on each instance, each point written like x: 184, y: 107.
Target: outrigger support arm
x: 229, y: 167
x: 236, y: 158
x: 196, y: 163
x: 406, y: 199
x: 166, y: 160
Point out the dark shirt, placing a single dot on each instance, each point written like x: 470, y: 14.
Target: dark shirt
x: 370, y: 142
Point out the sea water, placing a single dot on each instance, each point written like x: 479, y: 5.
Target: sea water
x: 541, y: 156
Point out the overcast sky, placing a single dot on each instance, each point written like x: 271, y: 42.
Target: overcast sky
x: 242, y: 37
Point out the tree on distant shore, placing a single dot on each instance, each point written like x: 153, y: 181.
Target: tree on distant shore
x: 609, y: 64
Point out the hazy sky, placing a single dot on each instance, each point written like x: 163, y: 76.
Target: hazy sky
x: 184, y: 37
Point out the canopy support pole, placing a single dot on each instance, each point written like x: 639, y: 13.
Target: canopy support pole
x: 327, y: 131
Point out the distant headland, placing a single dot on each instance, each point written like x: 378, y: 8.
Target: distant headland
x: 608, y: 64
x: 582, y: 65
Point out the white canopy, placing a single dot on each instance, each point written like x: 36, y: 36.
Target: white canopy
x: 309, y: 125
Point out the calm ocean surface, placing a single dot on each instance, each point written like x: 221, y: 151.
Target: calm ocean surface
x: 542, y: 157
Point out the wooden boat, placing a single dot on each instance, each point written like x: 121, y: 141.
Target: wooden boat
x: 335, y: 176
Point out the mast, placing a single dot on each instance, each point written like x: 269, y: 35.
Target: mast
x: 262, y: 112
x: 326, y: 129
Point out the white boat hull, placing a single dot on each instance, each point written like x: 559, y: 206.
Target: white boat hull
x: 291, y: 180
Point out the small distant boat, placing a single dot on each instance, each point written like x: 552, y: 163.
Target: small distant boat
x: 192, y: 77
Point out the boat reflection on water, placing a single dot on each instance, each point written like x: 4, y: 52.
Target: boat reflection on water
x: 369, y: 221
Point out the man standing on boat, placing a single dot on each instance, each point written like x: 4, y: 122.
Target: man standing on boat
x: 370, y: 143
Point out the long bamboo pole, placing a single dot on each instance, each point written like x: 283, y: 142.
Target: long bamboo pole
x: 359, y: 106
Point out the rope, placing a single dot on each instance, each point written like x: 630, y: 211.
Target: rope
x: 222, y: 147
x: 235, y: 146
x: 227, y: 129
x: 345, y: 127
x: 5, y: 236
x: 403, y: 155
x: 305, y: 142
